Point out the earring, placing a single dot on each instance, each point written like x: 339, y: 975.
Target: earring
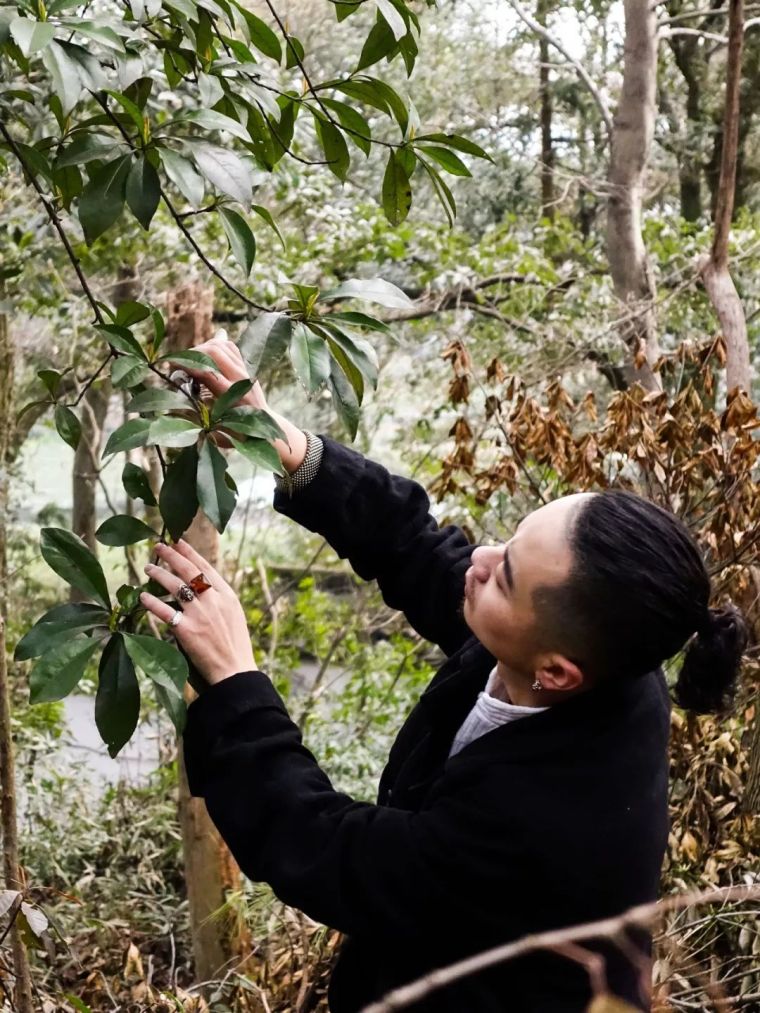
x: 537, y: 686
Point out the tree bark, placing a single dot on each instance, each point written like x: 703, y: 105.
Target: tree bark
x: 210, y: 870
x: 631, y: 146
x: 545, y: 99
x: 714, y: 269
x: 11, y: 868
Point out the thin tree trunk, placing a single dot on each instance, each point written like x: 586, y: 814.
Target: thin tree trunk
x: 210, y: 870
x: 631, y: 146
x: 545, y: 98
x: 11, y: 868
x: 714, y: 269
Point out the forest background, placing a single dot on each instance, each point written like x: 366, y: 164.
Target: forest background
x: 563, y: 204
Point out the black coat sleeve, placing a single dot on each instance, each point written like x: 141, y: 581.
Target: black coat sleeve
x: 360, y: 868
x: 382, y: 524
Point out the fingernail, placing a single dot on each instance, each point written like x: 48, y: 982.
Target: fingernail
x: 148, y: 567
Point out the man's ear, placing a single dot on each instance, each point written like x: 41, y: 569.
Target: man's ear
x: 556, y: 672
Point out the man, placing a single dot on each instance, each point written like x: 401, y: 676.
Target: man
x: 527, y: 789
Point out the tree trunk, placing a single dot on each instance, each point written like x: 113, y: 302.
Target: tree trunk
x: 11, y: 869
x: 545, y: 98
x: 714, y: 269
x: 210, y: 870
x: 631, y: 145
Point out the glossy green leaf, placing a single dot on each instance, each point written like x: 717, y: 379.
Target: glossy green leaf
x: 374, y: 290
x: 131, y: 434
x: 122, y: 529
x: 216, y: 498
x: 129, y: 313
x: 172, y: 432
x: 265, y: 341
x: 310, y: 358
x: 178, y: 500
x: 358, y: 350
x: 213, y: 120
x: 344, y: 398
x: 117, y: 702
x: 85, y: 148
x: 52, y: 380
x: 68, y: 426
x: 355, y: 125
x: 455, y: 141
x: 97, y: 32
x: 229, y: 399
x: 334, y: 146
x: 397, y: 190
x: 240, y: 238
x: 294, y: 52
x: 190, y: 357
x: 143, y: 191
x: 64, y: 72
x: 31, y: 36
x: 59, y: 670
x: 57, y: 626
x: 137, y: 484
x: 225, y: 170
x: 103, y: 198
x: 379, y: 43
x: 260, y: 453
x: 165, y: 666
x: 67, y: 555
x: 362, y: 320
x: 450, y: 161
x: 261, y: 35
x: 159, y: 399
x: 252, y: 422
x: 182, y: 173
x: 132, y: 110
x: 122, y: 339
x: 127, y: 371
x: 267, y: 217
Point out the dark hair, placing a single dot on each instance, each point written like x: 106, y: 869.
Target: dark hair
x: 637, y: 591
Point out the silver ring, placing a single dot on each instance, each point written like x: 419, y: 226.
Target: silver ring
x: 176, y: 617
x: 185, y: 592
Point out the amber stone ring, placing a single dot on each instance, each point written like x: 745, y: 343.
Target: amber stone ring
x: 199, y: 584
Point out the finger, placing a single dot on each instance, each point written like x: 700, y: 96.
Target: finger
x: 164, y: 577
x: 159, y: 608
x: 180, y: 564
x: 212, y: 575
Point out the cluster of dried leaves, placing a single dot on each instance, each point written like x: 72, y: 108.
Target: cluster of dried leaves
x: 677, y: 449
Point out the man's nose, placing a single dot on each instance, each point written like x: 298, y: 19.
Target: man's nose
x: 483, y: 559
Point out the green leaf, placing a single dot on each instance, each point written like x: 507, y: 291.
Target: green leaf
x: 59, y: 670
x: 442, y: 191
x: 261, y: 35
x: 380, y: 42
x: 265, y: 341
x: 252, y: 422
x: 334, y: 146
x: 353, y: 123
x: 359, y: 351
x: 51, y: 378
x: 98, y: 33
x: 353, y: 319
x: 397, y: 190
x: 294, y: 52
x: 379, y: 94
x: 190, y: 357
x: 133, y: 111
x: 181, y: 172
x: 240, y: 238
x: 344, y: 398
x: 225, y: 170
x: 69, y: 557
x: 64, y: 72
x: 174, y: 704
x: 90, y: 70
x: 127, y: 371
x: 178, y: 500
x: 103, y: 198
x: 159, y: 399
x: 122, y: 339
x: 57, y: 626
x: 260, y: 453
x: 84, y: 148
x: 217, y: 500
x: 143, y: 191
x: 131, y: 434
x: 373, y: 290
x: 123, y: 530
x: 229, y: 399
x: 164, y: 664
x: 451, y: 163
x: 171, y: 432
x: 310, y: 357
x: 117, y: 702
x: 31, y: 36
x: 266, y: 215
x: 129, y: 313
x: 212, y: 120
x: 68, y: 426
x: 137, y: 484
x: 395, y: 21
x: 455, y: 141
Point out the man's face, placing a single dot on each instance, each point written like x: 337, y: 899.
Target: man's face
x: 499, y: 585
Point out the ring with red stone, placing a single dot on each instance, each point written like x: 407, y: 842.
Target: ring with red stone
x: 199, y: 584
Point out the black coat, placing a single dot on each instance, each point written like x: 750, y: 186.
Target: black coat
x: 549, y: 821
